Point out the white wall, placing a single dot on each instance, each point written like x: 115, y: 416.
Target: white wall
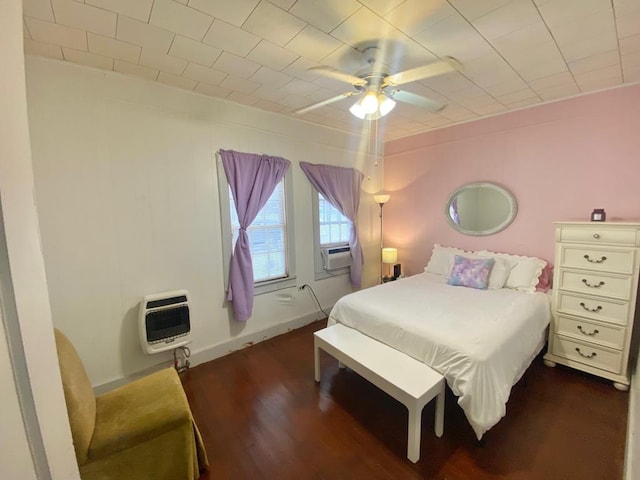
x: 34, y: 431
x: 125, y: 176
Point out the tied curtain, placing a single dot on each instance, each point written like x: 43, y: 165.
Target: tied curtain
x: 340, y: 186
x: 252, y: 179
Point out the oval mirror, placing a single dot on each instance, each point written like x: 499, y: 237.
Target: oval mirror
x: 481, y: 209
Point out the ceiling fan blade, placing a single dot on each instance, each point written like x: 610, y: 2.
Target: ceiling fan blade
x: 313, y: 106
x: 447, y: 65
x: 338, y: 75
x: 417, y: 100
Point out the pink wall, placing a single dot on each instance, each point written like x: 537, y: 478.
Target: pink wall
x: 560, y: 161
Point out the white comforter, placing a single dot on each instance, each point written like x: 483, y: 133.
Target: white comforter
x: 482, y: 341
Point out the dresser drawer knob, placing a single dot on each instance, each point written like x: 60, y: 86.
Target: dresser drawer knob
x: 597, y: 309
x: 591, y: 334
x: 592, y: 285
x: 589, y: 355
x: 596, y: 235
x: 602, y: 259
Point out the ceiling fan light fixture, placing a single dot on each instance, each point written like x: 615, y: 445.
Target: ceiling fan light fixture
x: 386, y: 104
x: 357, y: 110
x: 370, y: 102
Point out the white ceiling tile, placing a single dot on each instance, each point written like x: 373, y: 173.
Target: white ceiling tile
x: 489, y: 70
x: 595, y: 62
x: 439, y: 122
x: 40, y: 9
x: 505, y: 87
x: 270, y: 106
x: 553, y: 93
x: 533, y: 34
x: 469, y: 94
x: 300, y: 69
x: 176, y: 81
x: 212, y: 90
x: 564, y: 79
x: 283, y: 4
x: 541, y: 60
x: 234, y: 12
x: 110, y: 47
x: 457, y: 113
x: 364, y: 25
x: 325, y: 15
x: 194, y: 51
x: 267, y: 92
x: 448, y: 83
x: 517, y: 96
x: 524, y: 103
x: 381, y: 7
x: 629, y: 45
x: 631, y: 72
x: 295, y: 101
x: 42, y: 49
x: 299, y: 87
x: 138, y: 9
x: 273, y: 23
x: 600, y: 78
x: 230, y: 38
x: 242, y: 98
x: 513, y: 16
x: 628, y: 24
x: 234, y: 65
x: 489, y: 109
x: 583, y: 27
x: 89, y: 59
x: 313, y: 43
x: 455, y: 37
x: 25, y: 30
x: 473, y: 9
x: 197, y: 72
x: 86, y: 17
x: 268, y: 76
x: 414, y: 16
x: 143, y: 34
x: 272, y: 55
x: 164, y: 63
x: 238, y: 84
x: 53, y: 33
x: 588, y: 46
x: 135, y: 69
x: 562, y: 11
x: 180, y: 19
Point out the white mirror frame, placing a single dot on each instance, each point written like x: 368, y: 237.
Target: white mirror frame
x: 513, y: 209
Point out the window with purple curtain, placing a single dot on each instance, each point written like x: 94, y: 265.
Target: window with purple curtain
x: 252, y: 179
x: 340, y: 186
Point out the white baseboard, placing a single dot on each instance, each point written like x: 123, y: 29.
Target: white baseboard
x: 219, y: 350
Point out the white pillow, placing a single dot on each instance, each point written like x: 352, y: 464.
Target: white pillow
x: 524, y: 271
x: 442, y: 260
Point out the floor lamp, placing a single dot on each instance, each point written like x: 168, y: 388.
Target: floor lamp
x: 381, y: 200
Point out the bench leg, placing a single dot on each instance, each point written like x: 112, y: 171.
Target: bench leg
x: 413, y: 441
x: 438, y: 426
x: 316, y: 362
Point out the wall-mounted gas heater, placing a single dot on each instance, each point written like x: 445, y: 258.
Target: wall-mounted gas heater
x: 164, y: 321
x: 336, y: 257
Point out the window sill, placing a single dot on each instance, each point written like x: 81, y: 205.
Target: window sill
x: 274, y: 285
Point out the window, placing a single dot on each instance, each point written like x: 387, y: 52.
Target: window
x: 271, y: 236
x: 267, y: 237
x: 331, y: 229
x: 335, y: 228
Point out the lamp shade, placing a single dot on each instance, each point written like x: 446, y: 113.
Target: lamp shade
x: 389, y: 255
x: 381, y: 198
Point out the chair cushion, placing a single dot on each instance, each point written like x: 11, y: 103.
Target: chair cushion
x: 78, y: 394
x: 139, y: 411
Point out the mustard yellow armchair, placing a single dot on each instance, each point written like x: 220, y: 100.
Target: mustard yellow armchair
x: 143, y: 430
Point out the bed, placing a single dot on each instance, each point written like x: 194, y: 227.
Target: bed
x: 480, y: 340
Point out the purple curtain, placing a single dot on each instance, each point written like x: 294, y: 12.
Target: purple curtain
x: 341, y: 188
x: 252, y: 179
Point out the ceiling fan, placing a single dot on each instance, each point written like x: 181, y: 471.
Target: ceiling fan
x: 377, y: 86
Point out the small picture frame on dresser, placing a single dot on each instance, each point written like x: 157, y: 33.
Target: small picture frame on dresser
x: 598, y: 215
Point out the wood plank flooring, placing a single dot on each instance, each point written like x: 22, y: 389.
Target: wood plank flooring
x: 262, y: 416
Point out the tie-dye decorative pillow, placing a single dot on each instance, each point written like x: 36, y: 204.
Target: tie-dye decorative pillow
x: 470, y: 272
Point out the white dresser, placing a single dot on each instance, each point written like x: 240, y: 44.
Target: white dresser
x: 595, y: 286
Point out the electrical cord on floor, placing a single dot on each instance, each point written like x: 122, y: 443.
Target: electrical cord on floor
x: 306, y: 285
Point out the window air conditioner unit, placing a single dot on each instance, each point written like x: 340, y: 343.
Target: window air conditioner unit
x: 336, y: 257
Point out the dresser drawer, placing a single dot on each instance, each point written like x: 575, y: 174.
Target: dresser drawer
x: 606, y: 335
x: 602, y: 260
x: 596, y: 283
x: 599, y: 234
x: 588, y: 354
x: 592, y: 307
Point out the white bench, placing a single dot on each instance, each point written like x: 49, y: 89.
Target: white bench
x: 406, y: 379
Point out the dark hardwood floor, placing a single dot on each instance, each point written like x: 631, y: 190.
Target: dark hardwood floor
x: 262, y: 416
